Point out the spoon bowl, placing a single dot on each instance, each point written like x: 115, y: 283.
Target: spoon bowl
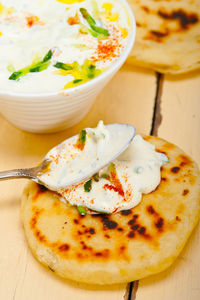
x: 85, y: 164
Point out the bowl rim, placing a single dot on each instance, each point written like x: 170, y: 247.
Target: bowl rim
x: 114, y: 66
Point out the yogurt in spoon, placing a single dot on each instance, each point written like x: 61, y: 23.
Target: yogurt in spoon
x: 81, y: 156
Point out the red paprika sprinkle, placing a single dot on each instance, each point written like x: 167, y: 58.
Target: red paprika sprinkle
x: 108, y: 49
x: 116, y: 189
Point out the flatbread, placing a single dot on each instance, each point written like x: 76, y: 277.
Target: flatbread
x: 168, y: 35
x: 129, y: 245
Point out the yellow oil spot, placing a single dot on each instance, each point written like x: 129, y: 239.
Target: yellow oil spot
x: 1, y: 33
x: 69, y: 1
x: 9, y: 11
x: 109, y: 16
x: 81, y: 73
x: 107, y: 6
x: 6, y: 10
x: 124, y: 32
x: 1, y: 8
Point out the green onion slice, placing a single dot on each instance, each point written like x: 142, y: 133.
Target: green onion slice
x: 60, y: 65
x: 88, y: 185
x: 36, y: 67
x: 96, y: 30
x: 81, y: 210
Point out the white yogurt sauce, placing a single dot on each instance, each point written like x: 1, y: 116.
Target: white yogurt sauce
x: 29, y: 29
x: 118, y: 186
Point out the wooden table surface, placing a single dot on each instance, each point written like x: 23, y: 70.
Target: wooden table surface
x: 161, y: 105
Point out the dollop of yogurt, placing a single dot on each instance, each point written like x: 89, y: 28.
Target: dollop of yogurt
x: 120, y: 185
x: 80, y: 156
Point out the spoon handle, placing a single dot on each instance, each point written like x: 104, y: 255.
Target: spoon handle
x: 17, y: 173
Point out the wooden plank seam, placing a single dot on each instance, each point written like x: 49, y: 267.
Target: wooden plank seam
x: 132, y: 287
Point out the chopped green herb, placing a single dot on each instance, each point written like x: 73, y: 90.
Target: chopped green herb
x: 93, y: 33
x: 87, y: 16
x: 96, y: 177
x: 91, y: 71
x: 48, y: 56
x: 77, y: 80
x: 39, y: 67
x: 138, y: 170
x: 35, y: 67
x: 82, y: 136
x: 16, y: 75
x: 80, y: 144
x: 111, y: 167
x: 105, y: 176
x: 100, y: 30
x: 96, y: 30
x: 88, y: 185
x: 60, y: 65
x: 81, y: 210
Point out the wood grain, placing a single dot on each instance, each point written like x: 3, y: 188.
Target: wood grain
x: 129, y: 97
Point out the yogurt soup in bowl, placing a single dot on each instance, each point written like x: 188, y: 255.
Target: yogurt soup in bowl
x: 57, y: 55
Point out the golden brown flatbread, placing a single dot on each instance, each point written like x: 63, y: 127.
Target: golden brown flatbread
x: 129, y: 245
x: 168, y: 35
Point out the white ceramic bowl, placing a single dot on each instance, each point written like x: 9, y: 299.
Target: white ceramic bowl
x: 51, y: 112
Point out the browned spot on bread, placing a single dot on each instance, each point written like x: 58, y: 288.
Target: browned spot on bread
x: 40, y: 190
x: 136, y: 228
x: 109, y: 224
x: 126, y: 212
x: 122, y: 248
x: 175, y: 170
x: 158, y: 219
x: 104, y: 253
x: 34, y: 219
x: 131, y: 222
x: 142, y: 230
x: 185, y: 192
x: 145, y: 8
x: 51, y: 269
x: 64, y: 247
x: 185, y: 19
x: 161, y: 151
x: 76, y: 221
x: 159, y: 224
x: 107, y: 236
x: 91, y: 230
x: 156, y: 36
x: 131, y: 234
x: 164, y: 179
x: 40, y: 236
x: 184, y: 160
x: 120, y: 229
x: 178, y: 219
x: 151, y: 210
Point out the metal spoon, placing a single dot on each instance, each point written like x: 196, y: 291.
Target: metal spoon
x: 124, y: 133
